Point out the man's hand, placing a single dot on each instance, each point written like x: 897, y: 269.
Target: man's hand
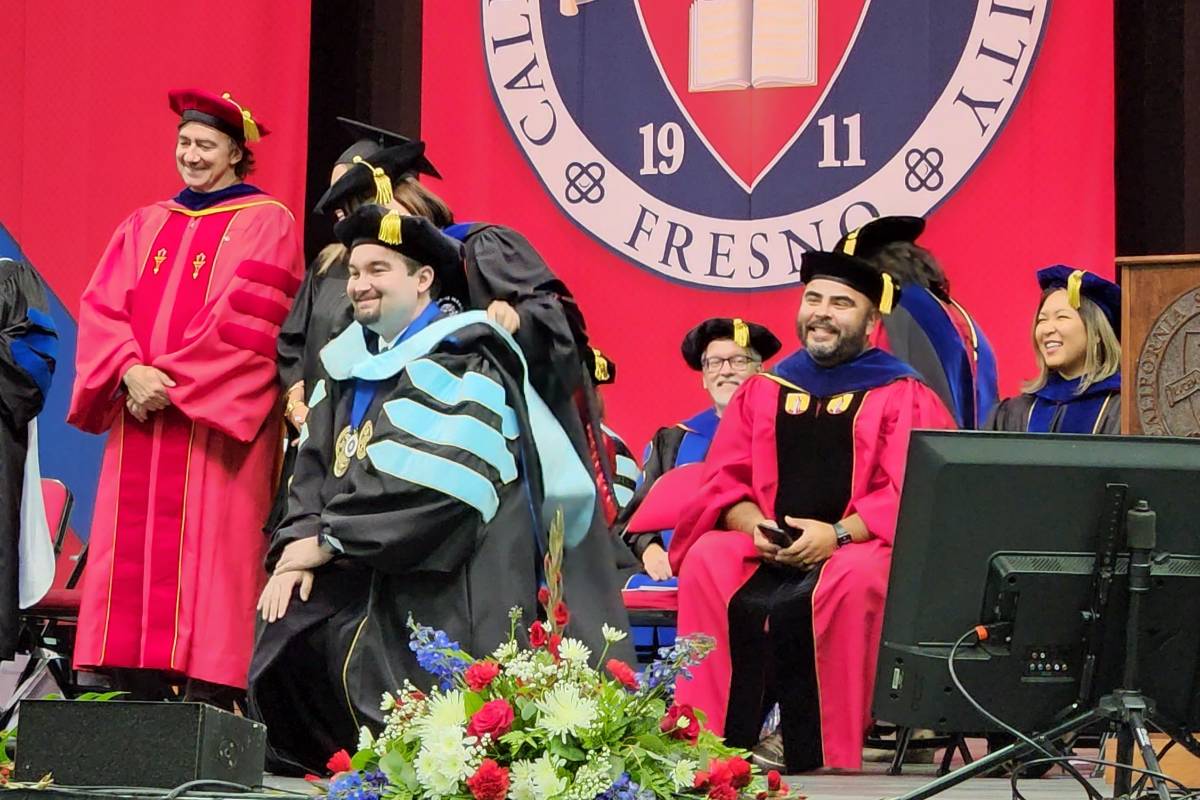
x: 302, y: 554
x: 148, y: 386
x: 273, y: 603
x: 816, y: 544
x: 138, y: 412
x: 298, y: 415
x: 767, y: 550
x: 504, y: 315
x: 656, y: 563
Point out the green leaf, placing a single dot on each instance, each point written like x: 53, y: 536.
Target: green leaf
x: 472, y: 702
x: 568, y: 751
x: 362, y: 759
x: 528, y: 708
x: 398, y: 770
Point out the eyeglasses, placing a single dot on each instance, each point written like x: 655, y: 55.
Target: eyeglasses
x: 739, y: 363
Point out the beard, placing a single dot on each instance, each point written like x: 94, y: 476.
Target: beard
x: 844, y: 346
x: 367, y: 316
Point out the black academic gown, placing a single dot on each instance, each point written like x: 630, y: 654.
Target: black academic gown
x: 421, y: 548
x: 320, y: 312
x: 501, y: 264
x: 28, y: 342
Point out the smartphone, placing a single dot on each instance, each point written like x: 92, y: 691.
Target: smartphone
x: 777, y: 535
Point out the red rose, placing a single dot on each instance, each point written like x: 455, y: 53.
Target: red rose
x: 774, y: 780
x: 553, y: 644
x: 719, y: 772
x: 622, y: 672
x: 722, y: 791
x: 561, y: 614
x: 543, y: 596
x: 338, y: 762
x: 490, y: 781
x: 480, y: 674
x: 496, y: 718
x: 537, y: 634
x: 739, y: 770
x: 308, y: 776
x: 670, y: 723
x: 700, y: 781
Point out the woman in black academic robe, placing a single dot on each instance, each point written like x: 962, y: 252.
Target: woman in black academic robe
x: 1076, y: 336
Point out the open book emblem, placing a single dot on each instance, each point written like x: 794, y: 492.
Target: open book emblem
x: 714, y: 141
x: 750, y: 65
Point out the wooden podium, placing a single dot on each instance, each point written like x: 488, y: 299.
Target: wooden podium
x: 1160, y: 345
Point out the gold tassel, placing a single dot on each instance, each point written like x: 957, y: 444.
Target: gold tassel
x: 390, y: 229
x: 851, y: 242
x: 889, y: 291
x: 600, y: 373
x: 1074, y: 284
x: 383, y: 184
x: 249, y: 126
x: 741, y: 333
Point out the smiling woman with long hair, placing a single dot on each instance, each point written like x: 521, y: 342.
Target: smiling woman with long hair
x: 1076, y: 337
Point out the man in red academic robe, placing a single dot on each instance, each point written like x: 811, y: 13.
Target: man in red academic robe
x: 179, y: 325
x: 816, y: 449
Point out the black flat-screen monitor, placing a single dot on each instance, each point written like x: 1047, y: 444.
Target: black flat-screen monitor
x: 1003, y: 527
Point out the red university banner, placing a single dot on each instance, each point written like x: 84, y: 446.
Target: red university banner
x: 671, y: 159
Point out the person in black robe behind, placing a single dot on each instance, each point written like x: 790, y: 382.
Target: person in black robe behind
x: 321, y: 309
x: 28, y: 343
x: 426, y: 474
x: 1077, y: 338
x: 928, y: 328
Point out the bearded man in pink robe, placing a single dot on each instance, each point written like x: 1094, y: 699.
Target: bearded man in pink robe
x: 176, y: 364
x: 785, y: 559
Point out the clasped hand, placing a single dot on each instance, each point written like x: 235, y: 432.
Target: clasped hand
x: 147, y: 390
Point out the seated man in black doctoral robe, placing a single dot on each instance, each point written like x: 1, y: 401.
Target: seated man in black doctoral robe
x: 428, y: 470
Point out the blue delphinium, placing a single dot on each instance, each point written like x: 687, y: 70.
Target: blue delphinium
x: 437, y: 654
x: 676, y: 662
x: 624, y: 788
x: 358, y: 786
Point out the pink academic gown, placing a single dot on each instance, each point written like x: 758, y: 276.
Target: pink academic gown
x: 176, y: 549
x: 847, y: 603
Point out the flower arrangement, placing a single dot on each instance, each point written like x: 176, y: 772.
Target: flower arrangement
x: 539, y: 723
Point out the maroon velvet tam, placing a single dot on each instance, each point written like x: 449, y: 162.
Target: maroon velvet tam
x: 217, y: 111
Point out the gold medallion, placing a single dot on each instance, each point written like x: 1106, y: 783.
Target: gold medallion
x: 364, y: 436
x: 343, y: 450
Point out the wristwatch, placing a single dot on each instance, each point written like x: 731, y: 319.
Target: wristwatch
x: 843, y: 536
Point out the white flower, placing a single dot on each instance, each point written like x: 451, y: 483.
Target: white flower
x: 574, y: 651
x: 611, y: 634
x: 443, y: 711
x: 546, y: 777
x: 506, y: 652
x: 565, y: 711
x: 683, y: 773
x: 443, y: 762
x: 365, y: 738
x: 388, y: 702
x: 521, y: 785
